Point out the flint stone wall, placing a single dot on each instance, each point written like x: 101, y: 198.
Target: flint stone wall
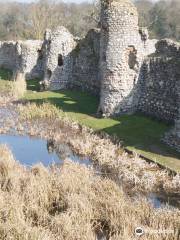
x: 22, y: 57
x: 160, y: 80
x: 8, y: 55
x: 86, y: 63
x: 29, y: 59
x: 80, y: 60
x: 58, y: 44
x: 122, y: 49
x: 172, y: 138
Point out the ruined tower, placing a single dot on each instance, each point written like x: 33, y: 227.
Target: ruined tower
x: 122, y: 48
x: 58, y: 46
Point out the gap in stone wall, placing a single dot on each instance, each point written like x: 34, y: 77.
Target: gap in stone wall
x: 132, y: 57
x: 49, y: 73
x: 60, y: 60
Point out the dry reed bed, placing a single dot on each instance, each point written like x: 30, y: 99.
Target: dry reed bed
x: 5, y: 99
x: 12, y: 90
x: 133, y: 173
x: 71, y: 202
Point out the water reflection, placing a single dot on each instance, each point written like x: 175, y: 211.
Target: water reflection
x: 30, y: 151
x: 63, y: 151
x: 161, y: 200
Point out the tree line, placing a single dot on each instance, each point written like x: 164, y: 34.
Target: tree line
x: 162, y: 18
x: 29, y: 20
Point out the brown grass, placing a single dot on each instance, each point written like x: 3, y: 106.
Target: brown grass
x: 71, y: 202
x: 131, y: 172
x: 19, y: 86
x: 12, y: 90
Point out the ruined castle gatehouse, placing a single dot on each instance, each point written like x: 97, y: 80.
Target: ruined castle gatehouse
x: 118, y: 62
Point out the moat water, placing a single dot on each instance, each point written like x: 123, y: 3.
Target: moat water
x: 30, y: 151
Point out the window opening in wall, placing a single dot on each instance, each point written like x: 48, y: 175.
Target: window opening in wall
x: 132, y: 57
x: 49, y: 73
x: 60, y: 60
x: 40, y: 53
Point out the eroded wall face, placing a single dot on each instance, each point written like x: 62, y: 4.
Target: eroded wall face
x: 30, y: 60
x: 159, y: 91
x: 8, y: 55
x: 122, y: 49
x: 172, y: 138
x: 59, y: 61
x: 172, y: 50
x: 22, y: 57
x: 72, y: 63
x: 86, y: 63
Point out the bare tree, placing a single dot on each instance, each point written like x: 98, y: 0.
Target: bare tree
x: 29, y: 20
x: 42, y: 15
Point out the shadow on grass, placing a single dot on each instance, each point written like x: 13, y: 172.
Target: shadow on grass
x: 5, y: 74
x: 137, y: 132
x: 33, y: 85
x: 144, y: 136
x: 68, y: 101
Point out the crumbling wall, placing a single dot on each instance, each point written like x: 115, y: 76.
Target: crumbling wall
x: 86, y: 63
x: 159, y: 83
x: 29, y: 59
x: 71, y: 63
x: 122, y: 48
x: 172, y: 138
x: 22, y: 57
x: 8, y: 55
x: 58, y: 48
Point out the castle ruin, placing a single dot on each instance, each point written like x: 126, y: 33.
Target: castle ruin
x: 118, y: 62
x: 122, y: 50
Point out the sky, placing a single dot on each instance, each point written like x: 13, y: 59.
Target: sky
x: 61, y: 0
x: 78, y: 1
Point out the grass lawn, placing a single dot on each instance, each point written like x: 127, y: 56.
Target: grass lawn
x: 5, y: 74
x: 5, y: 83
x: 137, y: 132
